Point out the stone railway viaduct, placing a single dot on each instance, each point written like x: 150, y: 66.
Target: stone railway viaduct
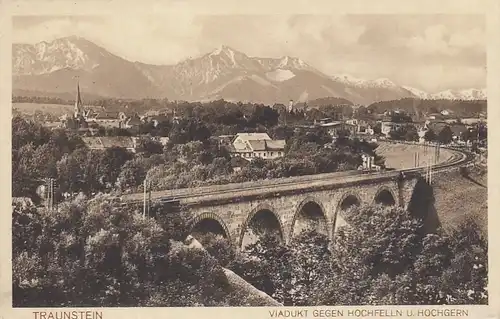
x: 292, y: 203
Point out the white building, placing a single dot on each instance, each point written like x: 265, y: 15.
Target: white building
x: 256, y: 145
x: 387, y: 127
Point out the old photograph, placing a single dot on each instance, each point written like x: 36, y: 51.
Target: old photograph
x: 249, y: 160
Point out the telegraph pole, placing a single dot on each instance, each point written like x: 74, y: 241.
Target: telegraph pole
x: 427, y: 170
x: 145, y: 198
x: 51, y: 193
x: 149, y: 200
x: 430, y: 174
x: 47, y: 195
x: 429, y: 167
x: 50, y: 182
x: 438, y: 151
x: 435, y: 154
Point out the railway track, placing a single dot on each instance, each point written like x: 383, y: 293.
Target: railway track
x: 249, y: 188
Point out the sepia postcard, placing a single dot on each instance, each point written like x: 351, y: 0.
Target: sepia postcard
x: 269, y: 159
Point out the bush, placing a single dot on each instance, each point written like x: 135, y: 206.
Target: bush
x: 384, y: 251
x: 96, y: 253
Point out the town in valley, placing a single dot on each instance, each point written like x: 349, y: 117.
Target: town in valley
x: 234, y: 179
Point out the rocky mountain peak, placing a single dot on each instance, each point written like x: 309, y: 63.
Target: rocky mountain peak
x: 222, y: 73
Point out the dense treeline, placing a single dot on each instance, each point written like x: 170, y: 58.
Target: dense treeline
x: 193, y: 156
x: 383, y: 257
x: 408, y: 132
x: 461, y: 108
x: 329, y: 101
x: 148, y: 102
x: 410, y: 105
x: 96, y: 253
x: 106, y: 102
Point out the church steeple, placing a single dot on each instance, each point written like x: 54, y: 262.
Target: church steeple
x: 78, y: 101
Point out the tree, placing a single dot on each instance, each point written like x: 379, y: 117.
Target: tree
x: 71, y: 170
x: 377, y: 242
x: 24, y: 172
x: 400, y: 118
x: 218, y: 247
x: 263, y: 115
x: 407, y: 132
x: 311, y: 260
x: 262, y: 264
x: 45, y: 160
x: 132, y: 174
x: 319, y: 137
x: 466, y: 278
x: 281, y: 132
x: 411, y: 133
x: 25, y: 132
x: 111, y: 163
x: 96, y: 253
x: 149, y: 146
x: 430, y: 136
x: 445, y: 136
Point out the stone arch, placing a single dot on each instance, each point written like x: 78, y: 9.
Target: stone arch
x: 385, y: 196
x: 347, y: 200
x: 307, y: 201
x: 255, y: 211
x: 211, y: 216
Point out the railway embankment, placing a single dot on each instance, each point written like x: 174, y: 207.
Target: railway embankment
x: 460, y: 194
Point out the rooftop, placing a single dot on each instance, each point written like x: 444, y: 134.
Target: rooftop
x: 330, y: 124
x: 108, y: 142
x: 253, y: 136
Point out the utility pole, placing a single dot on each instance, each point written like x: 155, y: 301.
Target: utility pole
x: 435, y: 154
x: 430, y: 174
x: 50, y: 182
x: 429, y: 168
x: 147, y: 198
x: 439, y: 151
x: 51, y: 193
x: 144, y: 203
x: 47, y: 195
x: 427, y: 171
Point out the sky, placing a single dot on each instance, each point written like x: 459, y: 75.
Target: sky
x: 428, y: 52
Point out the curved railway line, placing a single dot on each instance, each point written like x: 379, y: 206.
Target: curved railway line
x: 459, y: 158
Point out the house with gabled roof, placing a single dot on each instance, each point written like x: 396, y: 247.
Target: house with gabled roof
x: 256, y: 145
x: 104, y: 142
x: 132, y: 121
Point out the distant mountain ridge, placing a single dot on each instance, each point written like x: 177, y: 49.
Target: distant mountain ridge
x: 467, y: 94
x: 53, y: 67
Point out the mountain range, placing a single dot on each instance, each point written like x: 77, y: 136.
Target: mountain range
x: 53, y: 67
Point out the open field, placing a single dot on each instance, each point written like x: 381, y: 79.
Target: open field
x: 399, y: 156
x: 53, y: 109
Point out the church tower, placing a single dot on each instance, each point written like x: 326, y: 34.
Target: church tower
x: 78, y: 102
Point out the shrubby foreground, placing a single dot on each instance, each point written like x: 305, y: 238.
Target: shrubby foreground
x: 96, y: 253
